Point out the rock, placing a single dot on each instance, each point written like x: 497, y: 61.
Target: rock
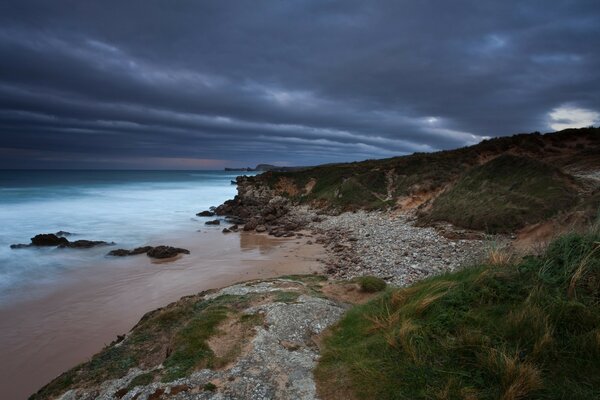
x: 140, y: 250
x: 234, y: 228
x: 213, y: 222
x: 84, y: 244
x: 63, y: 233
x: 119, y: 253
x: 146, y: 250
x: 225, y: 230
x: 19, y: 246
x: 166, y: 252
x: 261, y: 228
x: 206, y: 214
x: 251, y: 225
x: 48, y: 239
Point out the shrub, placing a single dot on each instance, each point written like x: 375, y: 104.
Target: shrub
x: 371, y: 284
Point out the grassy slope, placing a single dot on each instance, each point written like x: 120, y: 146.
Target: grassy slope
x: 527, y: 330
x: 175, y: 336
x: 381, y: 183
x: 505, y: 194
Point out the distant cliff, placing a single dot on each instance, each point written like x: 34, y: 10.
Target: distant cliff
x: 267, y: 167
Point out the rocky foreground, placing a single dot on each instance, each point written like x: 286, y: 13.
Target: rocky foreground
x: 264, y: 346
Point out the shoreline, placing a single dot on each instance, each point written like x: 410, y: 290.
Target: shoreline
x: 100, y: 302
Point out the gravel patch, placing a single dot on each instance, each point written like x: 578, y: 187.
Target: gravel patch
x: 390, y: 247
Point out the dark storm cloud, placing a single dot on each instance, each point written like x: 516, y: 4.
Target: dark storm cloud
x: 147, y: 84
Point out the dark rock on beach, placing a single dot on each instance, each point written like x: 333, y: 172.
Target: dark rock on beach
x: 140, y: 250
x: 119, y: 253
x: 48, y: 239
x: 166, y: 252
x: 57, y: 240
x: 213, y: 222
x: 150, y: 251
x: 84, y: 244
x: 205, y: 214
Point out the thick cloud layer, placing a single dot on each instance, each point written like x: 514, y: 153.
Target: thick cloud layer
x: 190, y: 84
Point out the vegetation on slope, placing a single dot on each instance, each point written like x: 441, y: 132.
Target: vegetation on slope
x: 175, y: 336
x: 419, y: 178
x: 505, y: 194
x: 524, y: 330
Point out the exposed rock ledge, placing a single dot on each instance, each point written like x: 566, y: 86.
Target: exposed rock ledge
x: 272, y: 358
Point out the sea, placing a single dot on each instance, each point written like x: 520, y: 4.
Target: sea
x: 130, y: 208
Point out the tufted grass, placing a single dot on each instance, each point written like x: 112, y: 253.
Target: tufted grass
x: 523, y: 330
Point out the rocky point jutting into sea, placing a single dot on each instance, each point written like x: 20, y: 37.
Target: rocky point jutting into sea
x: 395, y: 222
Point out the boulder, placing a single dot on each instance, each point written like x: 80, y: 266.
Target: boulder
x: 213, y: 222
x: 48, y: 239
x: 84, y: 244
x: 206, y: 214
x: 225, y: 230
x: 119, y: 253
x: 166, y: 252
x: 63, y: 233
x: 140, y: 250
x: 136, y: 251
x: 251, y: 225
x: 19, y: 246
x: 261, y: 228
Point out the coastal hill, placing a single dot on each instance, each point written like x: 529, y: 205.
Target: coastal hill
x: 425, y: 292
x: 498, y: 185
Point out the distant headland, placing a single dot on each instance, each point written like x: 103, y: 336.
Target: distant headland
x: 267, y: 167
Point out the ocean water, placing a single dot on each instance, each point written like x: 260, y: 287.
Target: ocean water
x: 130, y: 208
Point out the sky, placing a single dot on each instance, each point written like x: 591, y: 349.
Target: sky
x: 207, y: 84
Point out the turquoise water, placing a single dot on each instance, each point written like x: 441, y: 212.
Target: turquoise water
x: 131, y: 208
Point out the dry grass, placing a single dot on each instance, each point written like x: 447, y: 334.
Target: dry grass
x: 581, y: 272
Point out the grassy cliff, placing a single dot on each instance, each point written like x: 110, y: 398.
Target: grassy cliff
x: 530, y: 329
x: 505, y: 194
x: 534, y: 185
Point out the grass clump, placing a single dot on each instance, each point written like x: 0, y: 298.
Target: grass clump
x: 141, y: 380
x: 286, y: 296
x: 505, y: 194
x: 371, y: 284
x: 528, y: 329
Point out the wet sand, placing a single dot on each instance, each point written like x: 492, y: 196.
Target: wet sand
x: 42, y: 337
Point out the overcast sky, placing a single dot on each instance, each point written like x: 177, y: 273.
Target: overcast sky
x: 208, y: 84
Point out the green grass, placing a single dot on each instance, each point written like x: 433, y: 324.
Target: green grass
x: 141, y: 380
x: 286, y: 296
x: 371, y: 284
x: 505, y: 194
x: 520, y: 331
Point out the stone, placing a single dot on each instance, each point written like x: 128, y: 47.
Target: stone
x: 166, y: 252
x: 85, y: 244
x: 48, y: 239
x: 261, y: 228
x: 205, y: 214
x: 213, y: 222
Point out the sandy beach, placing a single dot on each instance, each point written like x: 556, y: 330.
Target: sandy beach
x: 44, y: 336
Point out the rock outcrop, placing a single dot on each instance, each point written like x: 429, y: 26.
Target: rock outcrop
x: 159, y: 252
x: 58, y: 240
